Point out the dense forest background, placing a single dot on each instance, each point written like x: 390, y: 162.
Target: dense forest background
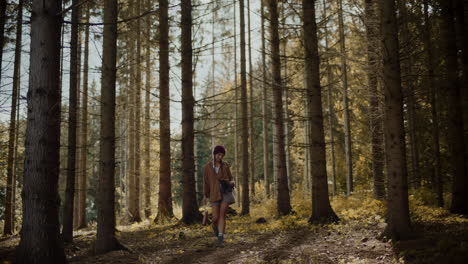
x: 331, y: 112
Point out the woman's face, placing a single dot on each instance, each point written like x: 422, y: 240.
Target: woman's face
x: 219, y: 156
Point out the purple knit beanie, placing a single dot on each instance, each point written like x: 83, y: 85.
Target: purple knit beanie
x: 219, y: 149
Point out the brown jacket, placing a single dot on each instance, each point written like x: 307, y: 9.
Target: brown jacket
x: 211, y: 180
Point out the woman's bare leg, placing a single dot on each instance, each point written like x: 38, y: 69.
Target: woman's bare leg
x: 222, y: 217
x: 215, y: 211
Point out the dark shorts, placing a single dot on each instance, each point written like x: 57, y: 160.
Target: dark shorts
x: 227, y: 198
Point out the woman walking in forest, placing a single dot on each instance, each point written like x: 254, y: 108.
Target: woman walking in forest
x: 217, y: 187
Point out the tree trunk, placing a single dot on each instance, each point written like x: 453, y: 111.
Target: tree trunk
x: 15, y: 163
x: 456, y: 140
x: 306, y: 173
x: 190, y: 213
x: 283, y: 199
x: 105, y: 239
x: 82, y: 223
x: 244, y: 116
x: 236, y: 135
x: 265, y: 117
x: 284, y: 46
x: 375, y: 116
x: 40, y: 241
x: 436, y: 165
x: 136, y: 213
x: 346, y: 121
x: 321, y: 209
x: 397, y: 199
x: 251, y: 110
x: 3, y: 6
x: 132, y: 116
x: 67, y: 231
x: 78, y: 171
x: 331, y: 112
x: 13, y: 133
x: 408, y: 83
x: 165, y: 211
x: 147, y: 133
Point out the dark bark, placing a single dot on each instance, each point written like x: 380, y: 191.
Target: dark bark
x: 331, y: 111
x: 131, y: 122
x: 265, y: 117
x: 284, y: 64
x: 147, y: 133
x: 408, y: 84
x: 68, y: 212
x: 397, y: 198
x: 321, y: 209
x: 236, y: 133
x: 283, y: 199
x: 13, y: 132
x: 190, y: 212
x: 244, y: 117
x: 40, y: 236
x: 136, y: 217
x: 3, y: 6
x: 105, y: 238
x: 81, y: 221
x: 456, y: 140
x: 251, y: 111
x: 375, y: 115
x: 165, y: 198
x: 436, y: 163
x: 346, y: 118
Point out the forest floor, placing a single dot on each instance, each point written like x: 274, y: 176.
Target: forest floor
x: 439, y: 237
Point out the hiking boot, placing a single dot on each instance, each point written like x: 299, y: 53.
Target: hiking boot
x: 220, y: 240
x: 215, y: 230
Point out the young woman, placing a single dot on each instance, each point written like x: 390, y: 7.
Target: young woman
x: 217, y: 187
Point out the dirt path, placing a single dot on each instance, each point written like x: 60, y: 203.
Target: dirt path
x: 289, y: 240
x: 298, y: 244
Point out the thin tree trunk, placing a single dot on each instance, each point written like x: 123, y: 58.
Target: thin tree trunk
x: 40, y: 236
x: 265, y: 117
x: 376, y: 125
x: 244, y: 116
x: 321, y: 209
x: 283, y: 199
x: 284, y: 45
x: 13, y: 132
x: 456, y: 140
x: 3, y: 6
x: 397, y: 199
x: 105, y: 238
x: 251, y: 110
x: 131, y: 122
x: 15, y: 163
x: 346, y: 121
x: 165, y: 211
x: 136, y: 213
x: 68, y: 209
x: 438, y: 184
x: 408, y: 83
x: 331, y: 112
x: 306, y: 173
x: 213, y: 81
x: 190, y: 213
x: 147, y: 133
x: 462, y: 31
x: 236, y: 134
x: 78, y: 171
x: 82, y: 223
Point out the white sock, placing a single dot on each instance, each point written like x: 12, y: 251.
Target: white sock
x: 220, y: 234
